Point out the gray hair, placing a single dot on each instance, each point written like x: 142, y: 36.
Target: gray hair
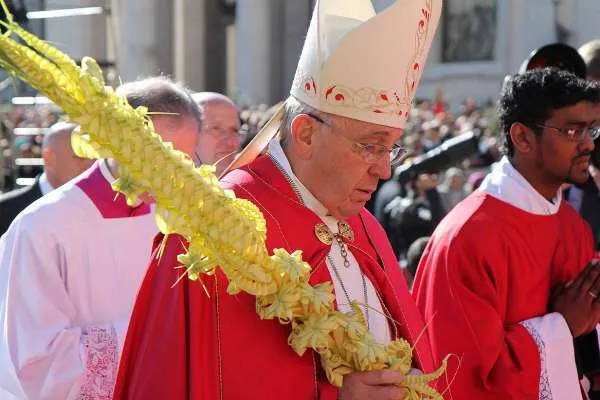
x: 161, y: 95
x: 292, y: 108
x: 56, y: 130
x: 203, y: 98
x: 451, y: 173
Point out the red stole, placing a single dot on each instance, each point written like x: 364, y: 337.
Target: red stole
x: 184, y: 344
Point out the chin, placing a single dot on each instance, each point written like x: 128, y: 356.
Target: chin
x: 579, y: 179
x: 350, y: 210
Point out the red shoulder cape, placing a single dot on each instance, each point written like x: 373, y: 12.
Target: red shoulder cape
x: 183, y: 343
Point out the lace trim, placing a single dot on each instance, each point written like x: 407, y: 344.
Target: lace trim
x: 545, y: 391
x: 101, y: 366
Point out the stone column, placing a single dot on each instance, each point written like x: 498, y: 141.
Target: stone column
x: 583, y: 21
x: 297, y: 16
x: 140, y: 35
x: 253, y: 51
x: 531, y: 26
x: 78, y: 36
x: 215, y: 59
x: 189, y: 42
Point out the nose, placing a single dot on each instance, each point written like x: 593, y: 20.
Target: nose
x: 232, y: 141
x: 382, y: 168
x: 587, y: 143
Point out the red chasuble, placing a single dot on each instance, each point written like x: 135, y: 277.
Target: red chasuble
x: 186, y: 344
x: 488, y: 267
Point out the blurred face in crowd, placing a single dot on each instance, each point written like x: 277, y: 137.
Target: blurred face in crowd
x: 413, y: 144
x: 220, y: 136
x: 561, y: 153
x: 455, y: 179
x: 181, y: 131
x: 469, y: 107
x: 457, y: 182
x: 335, y: 159
x: 433, y: 134
x: 424, y: 182
x: 60, y: 163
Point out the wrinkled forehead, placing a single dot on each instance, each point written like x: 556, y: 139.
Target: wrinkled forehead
x: 218, y: 111
x: 167, y: 122
x: 366, y: 130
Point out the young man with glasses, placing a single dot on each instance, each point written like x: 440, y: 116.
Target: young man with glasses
x: 507, y: 282
x: 310, y: 171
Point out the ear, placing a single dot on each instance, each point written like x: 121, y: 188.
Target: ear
x: 47, y: 156
x: 523, y: 138
x: 302, y: 130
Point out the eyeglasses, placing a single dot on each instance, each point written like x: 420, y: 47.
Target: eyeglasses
x: 575, y: 134
x: 370, y: 152
x: 221, y: 133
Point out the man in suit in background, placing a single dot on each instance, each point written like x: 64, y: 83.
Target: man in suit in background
x: 60, y: 166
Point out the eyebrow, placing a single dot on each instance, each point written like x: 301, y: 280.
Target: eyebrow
x: 580, y: 123
x: 380, y: 134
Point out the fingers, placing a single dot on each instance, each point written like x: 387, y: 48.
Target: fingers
x: 587, y: 277
x: 594, y: 290
x: 558, y: 289
x: 388, y: 393
x: 383, y: 377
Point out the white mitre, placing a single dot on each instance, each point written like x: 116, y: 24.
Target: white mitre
x: 359, y: 64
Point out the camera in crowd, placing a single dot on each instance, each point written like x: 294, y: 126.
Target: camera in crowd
x: 446, y: 155
x: 461, y: 147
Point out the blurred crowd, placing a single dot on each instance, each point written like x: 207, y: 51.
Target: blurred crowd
x: 17, y: 143
x: 408, y: 211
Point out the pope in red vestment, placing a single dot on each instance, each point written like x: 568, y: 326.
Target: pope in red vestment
x: 193, y: 341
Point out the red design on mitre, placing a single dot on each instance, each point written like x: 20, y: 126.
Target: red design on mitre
x: 308, y: 84
x: 393, y: 101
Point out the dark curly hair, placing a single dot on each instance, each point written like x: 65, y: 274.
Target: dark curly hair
x: 530, y: 98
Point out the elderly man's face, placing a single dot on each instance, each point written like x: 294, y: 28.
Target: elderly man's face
x: 220, y: 136
x: 60, y: 162
x: 180, y: 131
x: 335, y: 168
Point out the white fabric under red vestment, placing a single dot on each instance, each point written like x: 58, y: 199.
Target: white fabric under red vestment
x: 70, y: 266
x: 194, y: 341
x: 484, y: 285
x: 347, y: 280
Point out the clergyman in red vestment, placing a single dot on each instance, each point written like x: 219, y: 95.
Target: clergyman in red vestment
x: 320, y: 160
x: 506, y: 281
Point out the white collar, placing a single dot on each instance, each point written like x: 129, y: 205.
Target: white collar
x: 110, y: 178
x: 507, y: 184
x: 45, y: 186
x: 309, y: 200
x: 103, y: 165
